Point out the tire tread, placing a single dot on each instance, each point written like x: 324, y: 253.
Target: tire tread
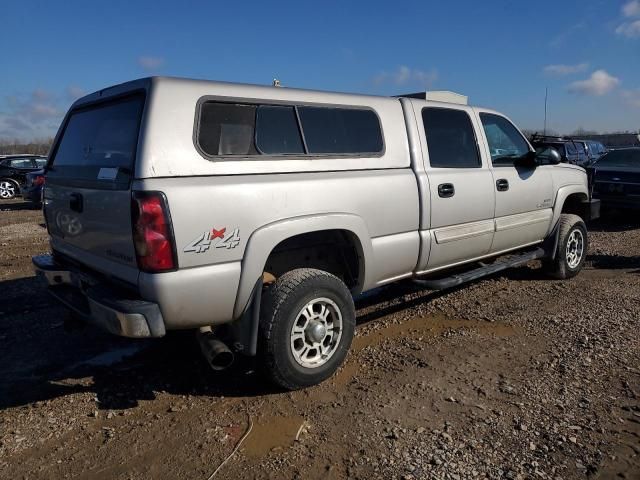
x: 558, y: 268
x: 274, y: 300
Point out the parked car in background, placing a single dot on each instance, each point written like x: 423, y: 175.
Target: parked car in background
x: 13, y: 171
x: 594, y: 149
x: 616, y: 178
x: 570, y: 151
x: 32, y: 188
x: 582, y: 157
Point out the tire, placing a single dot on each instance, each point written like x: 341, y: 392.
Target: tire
x: 571, y: 251
x: 311, y: 352
x: 8, y: 189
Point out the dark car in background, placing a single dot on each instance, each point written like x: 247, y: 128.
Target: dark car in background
x: 616, y: 179
x: 570, y: 151
x: 13, y: 171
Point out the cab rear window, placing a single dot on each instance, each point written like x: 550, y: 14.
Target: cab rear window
x: 99, y: 142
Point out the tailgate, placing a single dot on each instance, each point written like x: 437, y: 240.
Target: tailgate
x: 87, y: 198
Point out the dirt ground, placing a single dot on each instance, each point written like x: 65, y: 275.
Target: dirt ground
x: 516, y: 376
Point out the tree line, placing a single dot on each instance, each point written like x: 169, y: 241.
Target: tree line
x: 37, y: 147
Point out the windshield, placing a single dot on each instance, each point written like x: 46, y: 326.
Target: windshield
x: 621, y: 158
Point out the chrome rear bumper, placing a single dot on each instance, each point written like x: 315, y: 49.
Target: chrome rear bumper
x: 109, y: 309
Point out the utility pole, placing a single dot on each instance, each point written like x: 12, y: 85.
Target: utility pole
x: 546, y: 95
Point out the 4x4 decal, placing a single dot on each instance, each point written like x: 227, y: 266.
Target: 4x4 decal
x: 214, y: 239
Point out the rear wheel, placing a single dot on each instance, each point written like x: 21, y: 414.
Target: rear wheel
x: 8, y: 189
x: 572, y: 248
x: 306, y: 327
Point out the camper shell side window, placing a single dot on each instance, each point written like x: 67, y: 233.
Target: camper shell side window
x: 233, y: 129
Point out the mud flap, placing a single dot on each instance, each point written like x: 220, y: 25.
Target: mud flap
x: 243, y: 333
x: 550, y: 244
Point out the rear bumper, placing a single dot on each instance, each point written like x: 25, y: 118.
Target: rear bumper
x: 112, y: 310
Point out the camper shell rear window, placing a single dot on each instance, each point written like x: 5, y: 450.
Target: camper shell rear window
x: 230, y: 129
x: 99, y: 141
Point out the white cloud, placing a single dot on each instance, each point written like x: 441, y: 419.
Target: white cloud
x: 632, y: 97
x: 37, y: 114
x: 74, y: 92
x: 631, y: 9
x: 561, y: 70
x: 149, y: 63
x: 629, y: 29
x: 407, y: 76
x: 599, y: 83
x: 567, y: 33
x: 41, y: 95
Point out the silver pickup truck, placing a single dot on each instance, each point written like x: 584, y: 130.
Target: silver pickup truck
x: 254, y: 214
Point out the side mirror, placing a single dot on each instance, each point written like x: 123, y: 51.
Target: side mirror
x: 529, y: 160
x: 548, y: 156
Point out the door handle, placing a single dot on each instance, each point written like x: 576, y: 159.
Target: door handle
x: 502, y: 185
x: 75, y: 202
x: 446, y: 190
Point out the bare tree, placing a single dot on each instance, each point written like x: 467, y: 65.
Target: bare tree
x: 37, y: 147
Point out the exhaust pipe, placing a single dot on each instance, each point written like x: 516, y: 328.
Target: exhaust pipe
x: 217, y: 354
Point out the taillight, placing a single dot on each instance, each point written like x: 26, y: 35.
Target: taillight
x: 152, y: 232
x: 39, y: 180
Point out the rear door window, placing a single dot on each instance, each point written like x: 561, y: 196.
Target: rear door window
x: 451, y: 139
x: 99, y: 142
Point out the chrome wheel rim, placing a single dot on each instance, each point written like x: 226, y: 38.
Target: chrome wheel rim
x: 7, y: 190
x: 316, y: 332
x: 575, y: 248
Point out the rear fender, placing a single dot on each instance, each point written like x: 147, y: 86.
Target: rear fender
x: 266, y: 238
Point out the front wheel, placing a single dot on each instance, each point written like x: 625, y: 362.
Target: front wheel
x: 306, y: 327
x: 571, y: 252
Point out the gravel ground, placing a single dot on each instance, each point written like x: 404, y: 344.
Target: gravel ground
x: 516, y: 376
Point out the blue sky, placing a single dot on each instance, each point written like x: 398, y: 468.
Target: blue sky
x: 501, y: 53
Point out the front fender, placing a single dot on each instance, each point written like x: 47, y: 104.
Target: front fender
x: 562, y: 195
x: 263, y: 240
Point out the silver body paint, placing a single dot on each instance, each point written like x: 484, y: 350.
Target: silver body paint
x: 389, y: 202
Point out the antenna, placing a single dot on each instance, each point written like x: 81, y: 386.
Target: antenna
x: 546, y: 95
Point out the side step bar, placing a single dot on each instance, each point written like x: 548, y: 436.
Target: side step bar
x: 504, y: 263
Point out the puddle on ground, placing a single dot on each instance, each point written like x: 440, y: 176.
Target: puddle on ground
x: 429, y: 326
x: 270, y: 433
